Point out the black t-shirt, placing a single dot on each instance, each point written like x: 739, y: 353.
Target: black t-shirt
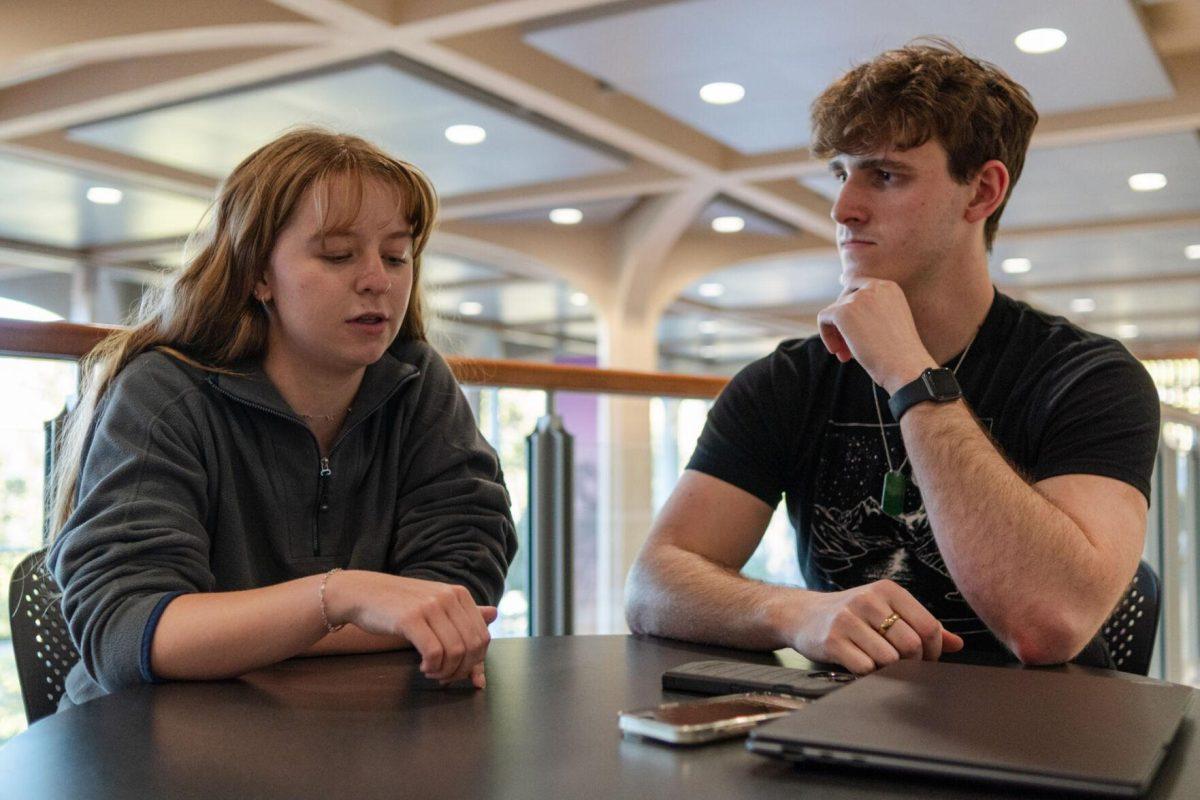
x: 1056, y: 399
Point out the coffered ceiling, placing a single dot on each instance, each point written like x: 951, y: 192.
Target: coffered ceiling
x: 594, y: 105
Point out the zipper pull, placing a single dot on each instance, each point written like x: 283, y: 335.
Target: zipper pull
x: 326, y: 473
x: 322, y: 503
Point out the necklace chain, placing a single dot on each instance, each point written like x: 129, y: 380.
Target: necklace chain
x: 887, y: 452
x: 325, y: 417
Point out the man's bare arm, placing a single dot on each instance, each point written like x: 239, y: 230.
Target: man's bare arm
x: 686, y: 584
x: 1042, y: 565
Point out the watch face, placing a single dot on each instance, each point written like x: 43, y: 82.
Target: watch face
x: 942, y: 384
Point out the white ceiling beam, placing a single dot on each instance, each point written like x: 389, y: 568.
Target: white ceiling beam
x: 157, y: 43
x: 637, y: 182
x: 142, y: 251
x: 644, y: 241
x: 1112, y: 123
x: 346, y: 17
x: 529, y: 85
x: 144, y: 275
x: 440, y: 19
x: 39, y: 249
x: 576, y: 256
x: 795, y: 163
x: 10, y: 272
x: 504, y: 65
x: 1130, y: 121
x: 173, y: 91
x: 1184, y: 219
x: 780, y: 324
x: 790, y: 202
x: 1142, y: 280
x: 56, y: 150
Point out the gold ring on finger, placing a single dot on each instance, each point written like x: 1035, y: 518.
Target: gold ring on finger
x: 887, y: 624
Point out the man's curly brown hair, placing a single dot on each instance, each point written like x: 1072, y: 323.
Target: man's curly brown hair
x: 926, y: 90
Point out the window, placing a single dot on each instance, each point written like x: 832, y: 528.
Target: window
x: 35, y: 390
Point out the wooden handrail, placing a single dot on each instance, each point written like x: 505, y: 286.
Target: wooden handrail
x: 69, y: 340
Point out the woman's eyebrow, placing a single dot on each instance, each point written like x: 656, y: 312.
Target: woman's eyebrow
x: 320, y: 236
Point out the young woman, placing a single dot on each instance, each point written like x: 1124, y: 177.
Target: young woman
x: 273, y: 462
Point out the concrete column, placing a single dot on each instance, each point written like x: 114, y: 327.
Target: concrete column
x: 84, y: 285
x: 626, y: 467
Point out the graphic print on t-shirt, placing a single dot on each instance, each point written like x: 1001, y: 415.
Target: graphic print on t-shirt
x: 852, y: 542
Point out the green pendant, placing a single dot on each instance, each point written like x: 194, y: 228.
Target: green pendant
x: 894, y: 485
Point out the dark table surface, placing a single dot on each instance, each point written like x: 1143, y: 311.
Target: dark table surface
x: 369, y: 727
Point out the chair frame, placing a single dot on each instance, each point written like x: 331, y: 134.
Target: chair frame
x: 42, y: 645
x: 1131, y: 630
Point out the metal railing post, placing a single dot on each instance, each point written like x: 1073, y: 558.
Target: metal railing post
x: 549, y: 451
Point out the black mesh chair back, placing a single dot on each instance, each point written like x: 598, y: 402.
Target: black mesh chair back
x: 1132, y: 628
x: 41, y: 644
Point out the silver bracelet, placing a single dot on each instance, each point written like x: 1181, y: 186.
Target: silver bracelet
x: 321, y: 594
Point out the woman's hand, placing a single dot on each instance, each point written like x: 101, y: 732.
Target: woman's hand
x: 441, y: 620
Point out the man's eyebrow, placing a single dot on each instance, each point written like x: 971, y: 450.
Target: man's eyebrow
x: 872, y: 163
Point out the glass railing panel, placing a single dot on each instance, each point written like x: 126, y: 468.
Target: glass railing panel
x: 506, y: 417
x: 579, y: 412
x: 34, y: 391
x: 1171, y: 549
x: 675, y: 426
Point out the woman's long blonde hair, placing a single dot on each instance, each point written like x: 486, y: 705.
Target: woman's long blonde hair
x: 208, y: 316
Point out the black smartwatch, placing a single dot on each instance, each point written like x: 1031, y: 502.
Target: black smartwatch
x: 938, y: 385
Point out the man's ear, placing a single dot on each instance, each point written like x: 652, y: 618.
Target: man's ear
x: 991, y: 187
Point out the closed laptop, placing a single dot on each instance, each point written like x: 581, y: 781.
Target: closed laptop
x: 1061, y: 728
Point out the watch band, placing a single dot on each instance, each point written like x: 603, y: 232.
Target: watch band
x: 939, y: 385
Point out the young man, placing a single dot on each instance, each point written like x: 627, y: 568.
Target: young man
x: 1005, y: 521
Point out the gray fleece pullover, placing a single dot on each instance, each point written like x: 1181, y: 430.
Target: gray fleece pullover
x: 197, y: 482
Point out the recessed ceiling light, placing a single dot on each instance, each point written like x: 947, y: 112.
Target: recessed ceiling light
x: 466, y: 134
x: 1015, y: 266
x: 711, y: 289
x: 579, y: 299
x: 1127, y: 330
x: 728, y: 224
x: 104, y: 195
x: 469, y: 308
x: 1040, y: 40
x: 1147, y: 181
x: 566, y: 216
x: 1192, y: 251
x: 1082, y: 305
x: 722, y: 93
x: 709, y: 326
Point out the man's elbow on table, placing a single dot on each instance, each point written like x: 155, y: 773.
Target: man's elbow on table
x: 1048, y: 636
x: 643, y: 596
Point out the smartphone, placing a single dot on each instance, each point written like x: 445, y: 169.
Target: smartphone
x: 699, y: 721
x: 723, y: 677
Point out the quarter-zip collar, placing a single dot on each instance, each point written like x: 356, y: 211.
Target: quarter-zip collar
x: 249, y: 382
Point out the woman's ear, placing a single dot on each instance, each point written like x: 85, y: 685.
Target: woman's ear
x: 991, y: 187
x: 262, y: 292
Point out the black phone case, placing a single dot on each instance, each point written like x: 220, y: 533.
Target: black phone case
x: 729, y: 677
